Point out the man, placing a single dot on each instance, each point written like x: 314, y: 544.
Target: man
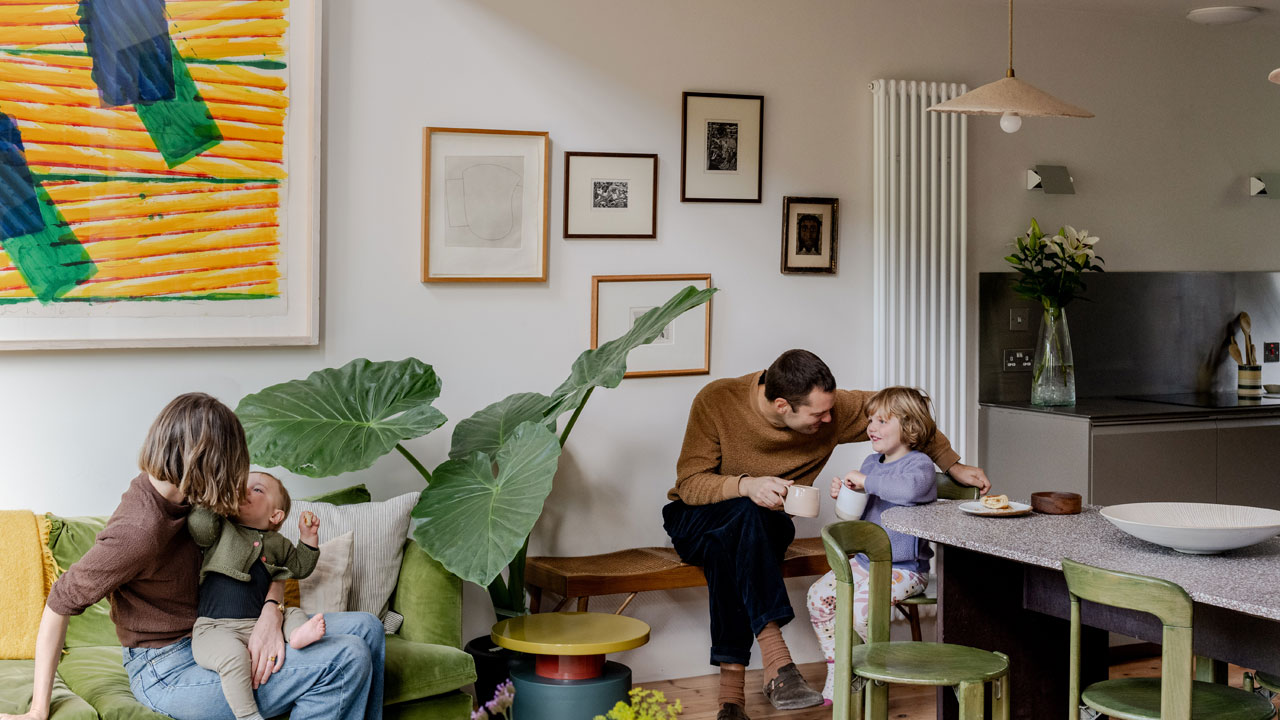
x: 749, y: 439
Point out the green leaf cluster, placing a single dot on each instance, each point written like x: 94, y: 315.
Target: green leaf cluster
x: 479, y: 506
x: 1051, y: 268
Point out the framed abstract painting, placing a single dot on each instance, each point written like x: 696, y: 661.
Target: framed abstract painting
x: 683, y: 347
x: 484, y: 206
x: 722, y: 146
x: 159, y: 173
x: 610, y: 195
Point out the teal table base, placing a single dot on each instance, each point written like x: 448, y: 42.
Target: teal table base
x: 540, y: 698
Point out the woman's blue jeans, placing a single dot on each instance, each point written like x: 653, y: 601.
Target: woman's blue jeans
x: 740, y: 547
x: 338, y: 678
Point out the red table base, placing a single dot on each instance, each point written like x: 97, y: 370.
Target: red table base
x: 569, y: 667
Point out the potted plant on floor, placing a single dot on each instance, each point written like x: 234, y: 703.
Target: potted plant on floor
x: 479, y: 506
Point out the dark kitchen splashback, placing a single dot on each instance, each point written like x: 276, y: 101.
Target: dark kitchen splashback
x: 1139, y: 333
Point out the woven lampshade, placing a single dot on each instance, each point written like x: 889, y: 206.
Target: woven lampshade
x: 1010, y: 95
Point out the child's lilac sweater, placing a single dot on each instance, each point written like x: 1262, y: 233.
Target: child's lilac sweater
x: 909, y: 480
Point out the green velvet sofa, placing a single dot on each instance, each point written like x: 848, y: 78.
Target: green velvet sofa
x: 425, y: 669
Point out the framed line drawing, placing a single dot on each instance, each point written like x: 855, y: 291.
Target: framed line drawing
x: 683, y: 348
x: 610, y: 195
x: 484, y: 205
x: 162, y: 175
x: 721, y: 147
x: 810, y: 234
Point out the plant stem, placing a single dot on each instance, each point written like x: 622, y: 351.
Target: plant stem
x: 573, y: 420
x: 414, y: 462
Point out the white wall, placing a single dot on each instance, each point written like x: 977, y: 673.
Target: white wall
x: 1184, y: 115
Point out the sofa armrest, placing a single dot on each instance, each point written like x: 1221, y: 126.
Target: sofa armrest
x: 430, y: 599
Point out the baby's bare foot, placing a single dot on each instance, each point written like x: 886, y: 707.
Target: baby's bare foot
x: 307, y: 633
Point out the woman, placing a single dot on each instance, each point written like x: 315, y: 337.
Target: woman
x: 147, y: 565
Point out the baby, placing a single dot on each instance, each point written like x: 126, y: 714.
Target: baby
x: 242, y: 557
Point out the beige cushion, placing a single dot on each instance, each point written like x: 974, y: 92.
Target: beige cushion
x: 328, y: 588
x: 379, y: 531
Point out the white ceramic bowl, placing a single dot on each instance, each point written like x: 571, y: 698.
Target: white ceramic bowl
x: 1196, y: 528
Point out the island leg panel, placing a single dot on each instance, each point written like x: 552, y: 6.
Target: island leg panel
x: 981, y: 604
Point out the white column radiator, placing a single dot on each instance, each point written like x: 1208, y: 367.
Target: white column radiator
x: 920, y: 196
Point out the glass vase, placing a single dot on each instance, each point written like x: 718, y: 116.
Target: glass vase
x: 1053, y: 373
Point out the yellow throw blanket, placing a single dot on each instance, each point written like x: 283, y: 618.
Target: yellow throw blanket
x: 28, y: 569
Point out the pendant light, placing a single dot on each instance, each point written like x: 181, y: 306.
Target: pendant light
x: 1010, y: 98
x: 1275, y: 76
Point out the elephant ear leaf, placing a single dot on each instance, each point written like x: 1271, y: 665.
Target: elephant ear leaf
x: 488, y: 429
x: 341, y: 419
x: 473, y: 523
x: 605, y: 365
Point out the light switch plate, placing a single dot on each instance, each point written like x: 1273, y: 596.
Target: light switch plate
x: 1271, y: 352
x: 1019, y: 318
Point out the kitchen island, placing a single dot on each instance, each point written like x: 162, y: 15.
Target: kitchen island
x: 1000, y: 587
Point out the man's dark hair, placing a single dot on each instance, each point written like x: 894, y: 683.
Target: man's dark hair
x: 794, y: 375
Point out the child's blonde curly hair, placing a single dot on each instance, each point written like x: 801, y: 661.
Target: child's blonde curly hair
x: 912, y: 408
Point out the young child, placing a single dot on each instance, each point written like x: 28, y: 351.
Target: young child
x: 243, y: 555
x: 896, y: 474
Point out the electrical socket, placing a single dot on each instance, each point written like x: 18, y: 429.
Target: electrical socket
x: 1017, y: 360
x: 1271, y: 352
x: 1019, y: 319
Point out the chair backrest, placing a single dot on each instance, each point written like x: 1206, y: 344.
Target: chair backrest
x: 949, y: 489
x: 1166, y: 600
x: 843, y: 540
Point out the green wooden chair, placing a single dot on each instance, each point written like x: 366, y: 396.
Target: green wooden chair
x: 1172, y: 696
x: 879, y: 661
x: 1267, y: 686
x: 948, y: 489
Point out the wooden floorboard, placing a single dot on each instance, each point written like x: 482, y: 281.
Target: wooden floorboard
x: 699, y: 694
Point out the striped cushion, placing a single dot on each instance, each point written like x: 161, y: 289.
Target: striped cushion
x: 380, y: 530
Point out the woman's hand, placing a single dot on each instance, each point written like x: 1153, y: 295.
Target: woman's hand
x: 266, y: 643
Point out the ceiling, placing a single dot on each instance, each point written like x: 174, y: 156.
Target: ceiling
x: 1167, y: 9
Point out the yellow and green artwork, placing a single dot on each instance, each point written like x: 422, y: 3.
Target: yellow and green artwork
x: 145, y: 171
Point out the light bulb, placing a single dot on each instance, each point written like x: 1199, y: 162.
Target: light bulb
x: 1010, y: 122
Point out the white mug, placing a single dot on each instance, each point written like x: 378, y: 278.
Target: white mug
x: 802, y: 501
x: 850, y: 504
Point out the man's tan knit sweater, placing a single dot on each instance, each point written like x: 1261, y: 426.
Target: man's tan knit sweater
x: 728, y: 438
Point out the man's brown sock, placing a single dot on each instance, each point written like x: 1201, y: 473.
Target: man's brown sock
x: 773, y: 649
x: 733, y: 684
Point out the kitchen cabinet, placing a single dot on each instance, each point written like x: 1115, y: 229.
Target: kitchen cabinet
x: 1112, y: 459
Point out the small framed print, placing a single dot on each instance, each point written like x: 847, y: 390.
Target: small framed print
x: 810, y: 232
x: 484, y: 206
x: 683, y: 348
x: 722, y: 144
x: 610, y: 195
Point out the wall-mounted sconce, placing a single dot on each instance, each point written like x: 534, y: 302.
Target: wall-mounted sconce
x: 1053, y: 179
x: 1265, y: 185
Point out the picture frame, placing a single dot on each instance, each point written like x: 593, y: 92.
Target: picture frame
x: 129, y: 230
x: 616, y: 302
x: 721, y: 147
x: 810, y: 235
x: 485, y: 204
x: 610, y: 195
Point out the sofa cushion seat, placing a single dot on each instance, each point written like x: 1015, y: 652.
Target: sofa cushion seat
x: 97, y: 675
x: 15, y: 693
x: 418, y: 670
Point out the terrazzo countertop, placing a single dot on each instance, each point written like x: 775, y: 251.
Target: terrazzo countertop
x: 1244, y: 580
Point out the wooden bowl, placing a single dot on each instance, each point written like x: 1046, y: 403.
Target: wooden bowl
x: 1055, y: 503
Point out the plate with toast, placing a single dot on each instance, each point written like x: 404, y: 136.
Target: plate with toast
x: 995, y: 506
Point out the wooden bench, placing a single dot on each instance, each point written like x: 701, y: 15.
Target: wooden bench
x: 636, y: 570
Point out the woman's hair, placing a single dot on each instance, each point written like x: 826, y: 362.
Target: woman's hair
x: 911, y: 407
x: 197, y: 444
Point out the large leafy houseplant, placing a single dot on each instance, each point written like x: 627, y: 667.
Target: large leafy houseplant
x: 479, y: 506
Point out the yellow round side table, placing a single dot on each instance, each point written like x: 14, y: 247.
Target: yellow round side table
x: 570, y: 678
